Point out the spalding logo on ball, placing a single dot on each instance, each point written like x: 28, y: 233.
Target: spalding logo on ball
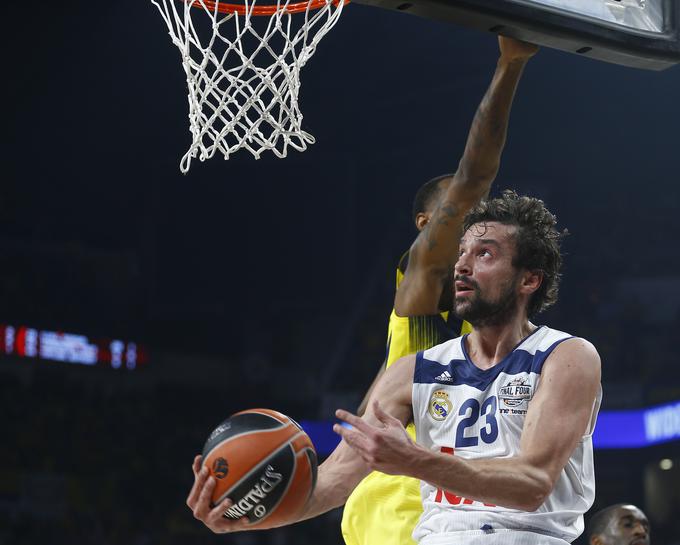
x: 264, y: 462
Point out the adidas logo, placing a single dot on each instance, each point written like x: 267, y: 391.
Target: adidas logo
x: 444, y: 377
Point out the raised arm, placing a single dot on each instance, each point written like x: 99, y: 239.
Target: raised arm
x: 435, y: 250
x: 560, y: 413
x: 337, y: 476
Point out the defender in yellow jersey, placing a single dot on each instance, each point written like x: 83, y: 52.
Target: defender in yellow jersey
x: 410, y: 334
x: 392, y: 497
x: 384, y: 509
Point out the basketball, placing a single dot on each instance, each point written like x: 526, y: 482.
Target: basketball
x: 264, y: 462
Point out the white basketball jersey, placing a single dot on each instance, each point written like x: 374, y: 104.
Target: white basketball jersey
x: 462, y: 410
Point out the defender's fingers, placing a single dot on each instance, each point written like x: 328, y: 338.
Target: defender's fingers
x: 202, y: 508
x: 199, y: 481
x: 355, y: 421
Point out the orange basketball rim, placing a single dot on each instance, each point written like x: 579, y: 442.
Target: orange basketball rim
x: 242, y: 9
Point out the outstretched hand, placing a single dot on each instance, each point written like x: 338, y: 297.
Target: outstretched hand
x: 384, y: 447
x: 512, y: 49
x: 199, y: 502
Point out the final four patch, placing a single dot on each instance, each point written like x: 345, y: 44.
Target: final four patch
x: 515, y: 393
x: 440, y: 406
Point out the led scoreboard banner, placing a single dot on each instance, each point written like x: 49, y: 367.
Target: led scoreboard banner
x: 27, y: 342
x: 637, y: 33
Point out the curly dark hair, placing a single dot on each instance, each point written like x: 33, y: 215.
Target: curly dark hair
x: 538, y: 241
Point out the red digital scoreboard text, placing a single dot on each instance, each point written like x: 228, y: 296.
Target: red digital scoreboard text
x: 28, y: 342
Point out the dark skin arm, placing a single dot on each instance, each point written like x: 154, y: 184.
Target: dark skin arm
x: 434, y: 252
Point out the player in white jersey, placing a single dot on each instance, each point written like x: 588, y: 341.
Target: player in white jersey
x: 504, y: 415
x: 489, y: 408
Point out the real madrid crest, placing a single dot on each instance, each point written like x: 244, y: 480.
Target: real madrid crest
x: 440, y: 406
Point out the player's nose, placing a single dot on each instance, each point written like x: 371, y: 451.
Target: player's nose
x: 462, y: 266
x: 640, y: 529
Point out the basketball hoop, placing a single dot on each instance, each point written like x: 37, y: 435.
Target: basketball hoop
x: 243, y: 64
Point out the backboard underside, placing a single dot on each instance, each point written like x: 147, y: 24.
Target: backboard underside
x: 637, y: 33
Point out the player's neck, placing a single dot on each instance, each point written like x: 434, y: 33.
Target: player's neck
x: 489, y: 344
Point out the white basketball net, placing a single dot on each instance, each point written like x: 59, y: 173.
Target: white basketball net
x: 243, y: 73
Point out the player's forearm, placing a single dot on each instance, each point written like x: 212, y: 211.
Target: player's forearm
x: 508, y: 482
x: 323, y: 500
x: 486, y: 139
x: 330, y: 492
x: 336, y: 479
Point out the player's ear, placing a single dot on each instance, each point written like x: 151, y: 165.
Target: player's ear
x: 422, y: 220
x: 596, y: 540
x: 531, y: 281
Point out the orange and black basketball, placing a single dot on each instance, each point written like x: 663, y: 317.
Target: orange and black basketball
x: 264, y: 462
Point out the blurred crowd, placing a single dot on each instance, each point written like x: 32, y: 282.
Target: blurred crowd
x: 83, y: 465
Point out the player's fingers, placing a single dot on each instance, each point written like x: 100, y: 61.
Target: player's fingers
x: 224, y: 526
x: 220, y: 509
x: 354, y: 439
x: 216, y: 516
x: 196, y: 466
x: 199, y: 481
x: 362, y: 445
x: 355, y: 421
x: 218, y: 523
x: 387, y: 418
x: 384, y: 417
x: 202, y: 508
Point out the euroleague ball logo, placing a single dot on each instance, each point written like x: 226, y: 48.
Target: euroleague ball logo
x: 220, y: 468
x: 440, y: 406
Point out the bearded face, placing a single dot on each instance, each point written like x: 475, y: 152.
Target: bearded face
x: 486, y: 282
x: 480, y: 308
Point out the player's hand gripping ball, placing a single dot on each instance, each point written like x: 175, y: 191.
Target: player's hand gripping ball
x: 264, y: 462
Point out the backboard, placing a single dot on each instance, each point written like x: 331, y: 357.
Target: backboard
x: 636, y: 33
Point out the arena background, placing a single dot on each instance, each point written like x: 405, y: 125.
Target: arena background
x: 268, y: 283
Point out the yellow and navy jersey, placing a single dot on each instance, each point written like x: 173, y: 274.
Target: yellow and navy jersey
x: 384, y: 509
x: 410, y: 334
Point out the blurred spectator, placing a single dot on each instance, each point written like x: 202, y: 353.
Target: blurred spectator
x: 619, y: 524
